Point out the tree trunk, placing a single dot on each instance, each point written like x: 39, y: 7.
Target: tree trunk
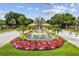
x: 66, y: 26
x: 0, y: 27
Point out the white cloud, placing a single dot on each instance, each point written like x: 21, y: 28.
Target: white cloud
x: 20, y: 6
x: 72, y: 4
x: 52, y: 3
x: 2, y: 14
x: 51, y: 11
x: 73, y: 10
x: 56, y: 9
x: 37, y: 8
x: 59, y: 9
x: 1, y: 11
x: 30, y: 8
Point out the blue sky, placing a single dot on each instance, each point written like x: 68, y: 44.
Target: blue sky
x: 45, y: 10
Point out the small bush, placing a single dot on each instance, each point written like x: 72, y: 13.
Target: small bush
x: 22, y: 37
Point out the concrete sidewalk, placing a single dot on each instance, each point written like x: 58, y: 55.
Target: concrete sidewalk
x: 6, y: 37
x: 72, y: 38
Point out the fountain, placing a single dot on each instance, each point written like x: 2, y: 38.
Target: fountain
x: 39, y: 39
x: 39, y: 33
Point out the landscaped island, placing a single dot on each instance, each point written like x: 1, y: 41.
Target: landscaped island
x: 37, y: 45
x: 38, y: 39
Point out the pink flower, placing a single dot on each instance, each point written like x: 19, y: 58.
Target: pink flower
x: 37, y: 45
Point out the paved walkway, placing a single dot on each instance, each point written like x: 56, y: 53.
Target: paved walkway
x: 72, y: 38
x: 7, y: 37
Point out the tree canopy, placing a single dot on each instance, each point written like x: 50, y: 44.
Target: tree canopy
x: 62, y: 20
x: 13, y: 18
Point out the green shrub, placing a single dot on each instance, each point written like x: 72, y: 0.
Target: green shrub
x: 22, y: 37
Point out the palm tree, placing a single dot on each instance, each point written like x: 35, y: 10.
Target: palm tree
x: 21, y: 29
x: 56, y: 29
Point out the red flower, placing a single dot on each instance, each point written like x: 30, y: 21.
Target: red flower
x: 37, y: 45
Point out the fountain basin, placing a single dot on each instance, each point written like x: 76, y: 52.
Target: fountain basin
x: 39, y: 36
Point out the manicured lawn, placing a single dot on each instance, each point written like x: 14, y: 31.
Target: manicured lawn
x: 66, y: 50
x: 5, y: 30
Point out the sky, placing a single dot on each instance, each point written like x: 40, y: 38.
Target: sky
x: 33, y: 10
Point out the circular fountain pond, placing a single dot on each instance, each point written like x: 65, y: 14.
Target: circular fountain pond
x: 39, y: 36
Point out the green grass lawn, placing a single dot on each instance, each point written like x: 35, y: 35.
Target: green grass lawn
x: 66, y: 50
x: 5, y: 30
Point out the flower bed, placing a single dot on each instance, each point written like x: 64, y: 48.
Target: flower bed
x: 37, y: 45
